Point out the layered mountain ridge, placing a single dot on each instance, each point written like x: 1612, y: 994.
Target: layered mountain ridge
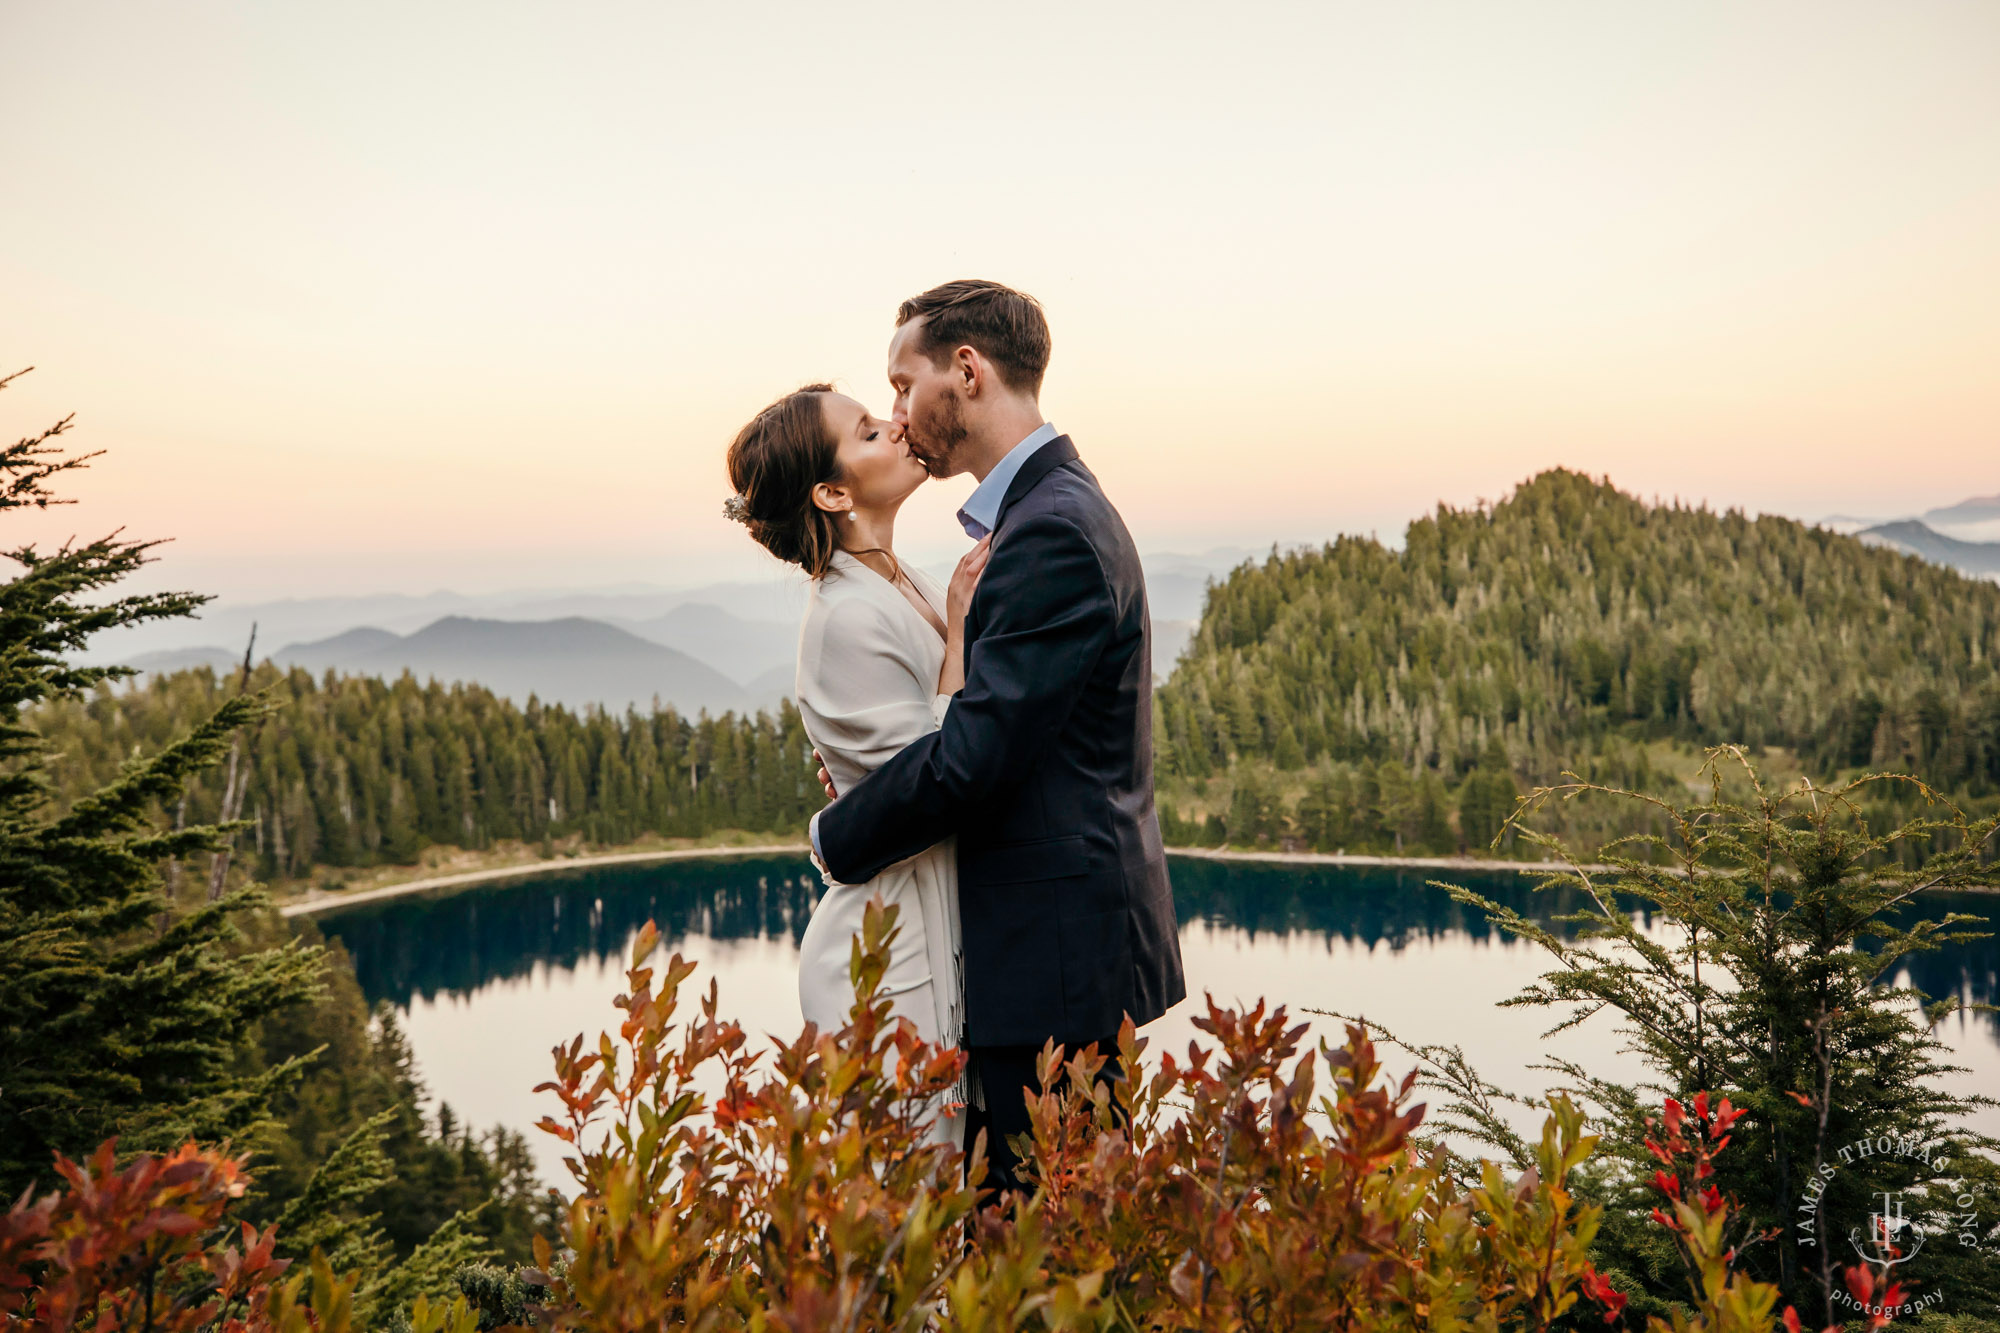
x: 724, y: 648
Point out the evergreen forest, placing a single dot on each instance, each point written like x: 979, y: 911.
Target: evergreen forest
x: 1375, y: 700
x: 345, y: 772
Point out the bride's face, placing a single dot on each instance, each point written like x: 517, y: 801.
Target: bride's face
x: 877, y: 469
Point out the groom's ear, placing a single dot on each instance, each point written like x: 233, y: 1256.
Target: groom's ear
x: 971, y: 370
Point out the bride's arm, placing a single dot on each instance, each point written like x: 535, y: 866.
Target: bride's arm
x: 958, y: 599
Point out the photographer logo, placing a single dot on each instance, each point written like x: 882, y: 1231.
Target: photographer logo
x: 1883, y: 1202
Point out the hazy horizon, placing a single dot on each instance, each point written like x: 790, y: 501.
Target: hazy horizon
x: 472, y: 297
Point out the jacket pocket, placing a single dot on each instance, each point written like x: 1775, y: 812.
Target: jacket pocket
x: 1026, y: 862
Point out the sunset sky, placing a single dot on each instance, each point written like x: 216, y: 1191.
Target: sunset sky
x: 373, y: 296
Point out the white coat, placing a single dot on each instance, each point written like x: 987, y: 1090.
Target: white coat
x: 866, y: 687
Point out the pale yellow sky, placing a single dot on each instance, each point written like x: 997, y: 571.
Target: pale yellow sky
x: 378, y: 296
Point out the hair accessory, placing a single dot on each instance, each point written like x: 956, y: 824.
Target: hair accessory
x: 736, y: 509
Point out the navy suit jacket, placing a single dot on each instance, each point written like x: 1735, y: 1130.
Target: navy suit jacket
x: 1044, y: 770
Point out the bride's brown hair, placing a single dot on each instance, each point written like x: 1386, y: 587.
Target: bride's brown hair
x: 774, y: 463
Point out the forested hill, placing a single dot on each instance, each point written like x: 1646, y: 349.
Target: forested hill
x: 354, y: 771
x: 1572, y: 616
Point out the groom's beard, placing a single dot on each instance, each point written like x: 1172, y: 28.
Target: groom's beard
x: 936, y: 437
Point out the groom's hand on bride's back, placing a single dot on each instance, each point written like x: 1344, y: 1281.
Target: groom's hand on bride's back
x: 825, y: 778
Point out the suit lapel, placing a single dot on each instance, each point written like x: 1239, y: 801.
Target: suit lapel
x: 1042, y: 462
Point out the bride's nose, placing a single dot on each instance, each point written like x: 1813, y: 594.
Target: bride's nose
x: 895, y: 432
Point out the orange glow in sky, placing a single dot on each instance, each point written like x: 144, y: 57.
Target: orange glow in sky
x: 378, y: 296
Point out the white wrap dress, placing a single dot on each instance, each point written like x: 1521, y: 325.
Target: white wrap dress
x: 866, y: 687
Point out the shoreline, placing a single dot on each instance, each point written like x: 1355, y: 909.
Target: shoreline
x: 317, y: 902
x: 1381, y: 862
x: 1440, y: 863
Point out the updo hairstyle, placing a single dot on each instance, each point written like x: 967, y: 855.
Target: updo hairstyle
x: 774, y: 463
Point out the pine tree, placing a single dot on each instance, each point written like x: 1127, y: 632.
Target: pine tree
x: 122, y: 1010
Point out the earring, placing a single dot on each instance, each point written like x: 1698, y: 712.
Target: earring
x: 852, y: 516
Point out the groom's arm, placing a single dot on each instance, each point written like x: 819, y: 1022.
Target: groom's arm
x: 1046, y: 615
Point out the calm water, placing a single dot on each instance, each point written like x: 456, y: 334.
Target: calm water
x: 488, y: 980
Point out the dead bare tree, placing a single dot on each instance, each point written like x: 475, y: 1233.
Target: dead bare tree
x: 233, y: 784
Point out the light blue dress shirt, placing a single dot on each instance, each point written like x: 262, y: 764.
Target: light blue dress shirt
x: 977, y: 517
x: 982, y: 508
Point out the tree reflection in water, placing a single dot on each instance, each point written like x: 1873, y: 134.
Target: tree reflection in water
x: 455, y: 943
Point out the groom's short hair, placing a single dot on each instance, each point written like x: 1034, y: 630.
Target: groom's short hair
x: 1004, y: 326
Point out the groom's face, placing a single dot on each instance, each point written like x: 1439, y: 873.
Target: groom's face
x: 927, y: 403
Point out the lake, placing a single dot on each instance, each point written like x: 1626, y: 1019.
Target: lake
x: 488, y: 979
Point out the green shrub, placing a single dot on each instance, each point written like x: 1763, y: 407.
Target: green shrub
x: 1769, y: 972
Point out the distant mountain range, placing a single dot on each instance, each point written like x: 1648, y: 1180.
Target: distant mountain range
x: 1979, y: 559
x: 614, y: 648
x: 1980, y: 509
x: 1964, y: 536
x: 572, y: 661
x: 745, y: 651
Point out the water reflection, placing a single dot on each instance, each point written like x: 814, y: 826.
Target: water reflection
x: 456, y: 944
x: 406, y: 948
x: 1968, y: 970
x: 1398, y: 908
x: 1368, y: 906
x: 490, y: 978
x: 423, y: 946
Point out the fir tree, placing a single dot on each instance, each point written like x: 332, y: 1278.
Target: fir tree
x: 1773, y: 980
x: 122, y: 1010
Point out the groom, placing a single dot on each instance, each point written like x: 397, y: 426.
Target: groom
x: 1044, y: 765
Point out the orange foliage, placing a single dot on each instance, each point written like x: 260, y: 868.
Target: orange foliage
x: 1226, y: 1191
x: 145, y: 1247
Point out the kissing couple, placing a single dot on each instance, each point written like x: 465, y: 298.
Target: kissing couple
x: 988, y: 745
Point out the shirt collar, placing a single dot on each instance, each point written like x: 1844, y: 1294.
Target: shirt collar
x: 982, y: 508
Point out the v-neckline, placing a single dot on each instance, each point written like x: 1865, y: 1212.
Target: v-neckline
x: 877, y: 574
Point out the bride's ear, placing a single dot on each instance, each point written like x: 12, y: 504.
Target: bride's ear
x: 832, y: 499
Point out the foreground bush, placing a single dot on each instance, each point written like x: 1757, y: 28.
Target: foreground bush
x: 1225, y: 1192
x: 723, y: 1190
x: 149, y: 1247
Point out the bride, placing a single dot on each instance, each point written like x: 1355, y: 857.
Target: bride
x: 819, y: 480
